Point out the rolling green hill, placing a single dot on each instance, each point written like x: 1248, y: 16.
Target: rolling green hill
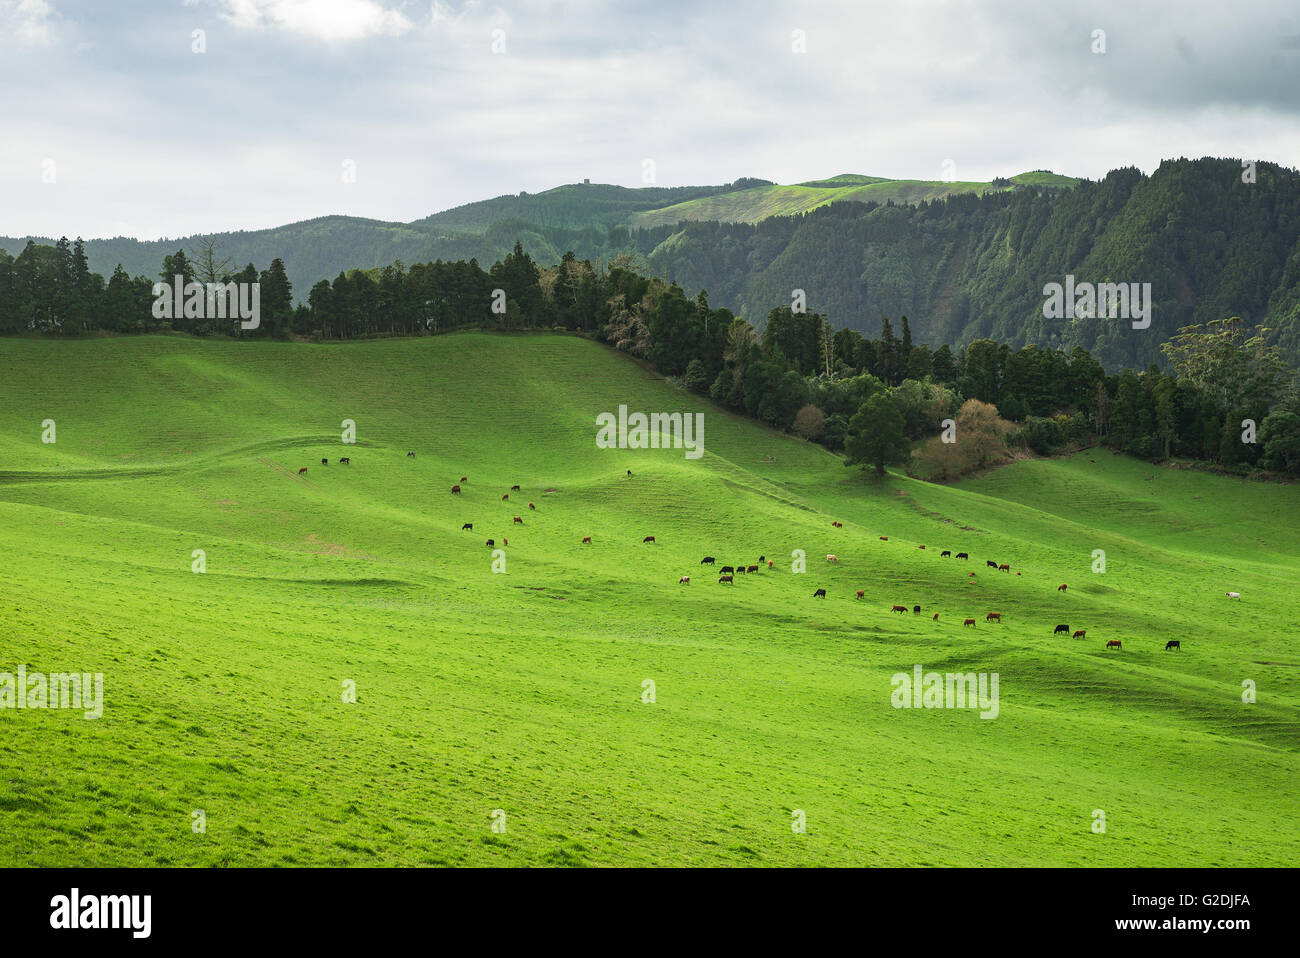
x: 521, y: 693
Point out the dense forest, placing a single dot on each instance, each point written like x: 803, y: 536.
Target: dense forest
x: 1228, y: 399
x: 1212, y: 238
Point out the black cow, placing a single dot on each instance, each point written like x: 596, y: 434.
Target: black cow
x: 324, y: 462
x: 468, y: 525
x: 707, y: 560
x: 725, y: 569
x: 991, y: 564
x: 962, y: 555
x: 345, y: 461
x: 819, y: 594
x: 410, y: 455
x: 1060, y: 629
x: 492, y: 543
x: 1173, y: 644
x: 916, y: 608
x: 762, y: 559
x: 946, y: 553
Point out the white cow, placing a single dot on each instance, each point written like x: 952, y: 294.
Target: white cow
x: 1233, y: 595
x: 832, y: 558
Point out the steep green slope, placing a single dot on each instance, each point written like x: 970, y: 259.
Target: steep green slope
x: 522, y: 691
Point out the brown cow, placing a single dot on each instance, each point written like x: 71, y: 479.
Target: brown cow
x: 586, y: 540
x: 648, y: 539
x: 464, y: 478
x: 838, y: 525
x: 726, y: 578
x: 769, y: 563
x: 861, y: 593
x: 1082, y: 633
x: 993, y: 617
x: 302, y: 471
x: 884, y: 538
x: 970, y: 622
x: 531, y: 506
x: 752, y: 568
x: 899, y: 608
x: 455, y: 490
x: 514, y: 488
x: 518, y: 521
x: 505, y: 496
x: 1115, y: 644
x: 1004, y: 568
x: 920, y: 547
x: 1061, y: 587
x: 936, y: 617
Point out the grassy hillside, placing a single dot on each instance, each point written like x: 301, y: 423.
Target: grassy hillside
x: 522, y: 691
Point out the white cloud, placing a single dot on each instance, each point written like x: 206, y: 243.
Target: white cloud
x: 30, y: 21
x: 328, y: 20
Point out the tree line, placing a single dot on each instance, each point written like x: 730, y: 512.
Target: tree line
x: 1229, y: 398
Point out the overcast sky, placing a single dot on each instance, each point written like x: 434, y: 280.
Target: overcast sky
x: 142, y: 136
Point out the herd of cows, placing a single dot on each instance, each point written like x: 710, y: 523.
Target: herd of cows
x: 727, y: 573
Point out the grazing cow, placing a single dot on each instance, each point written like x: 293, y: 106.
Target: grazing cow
x: 491, y: 543
x: 740, y: 570
x: 1081, y: 634
x: 725, y: 569
x: 648, y: 539
x: 684, y: 580
x: 464, y: 478
x: 531, y: 506
x: 970, y: 575
x: 302, y: 471
x: 936, y: 617
x: 505, y: 542
x: 455, y: 490
x: 1061, y: 587
x: 884, y: 538
x: 586, y: 540
x: 1173, y: 644
x: 993, y: 617
x: 819, y: 594
x: 961, y: 555
x: 324, y: 462
x: 991, y: 564
x: 899, y: 608
x: 707, y: 560
x: 769, y: 563
x: 1115, y: 644
x: 752, y: 568
x: 860, y: 593
x: 1233, y: 595
x: 514, y: 488
x: 468, y: 525
x: 345, y: 461
x: 518, y: 521
x: 410, y: 455
x: 838, y: 525
x: 916, y: 610
x: 505, y: 496
x: 945, y: 554
x: 726, y: 578
x: 970, y: 622
x: 629, y: 473
x: 1061, y: 628
x: 762, y: 559
x: 920, y: 547
x: 1004, y: 568
x: 832, y: 558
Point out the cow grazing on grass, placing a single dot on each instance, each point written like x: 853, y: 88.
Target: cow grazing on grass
x: 1061, y: 628
x: 916, y: 610
x: 832, y: 558
x: 324, y: 462
x: 726, y: 578
x: 491, y: 543
x: 961, y: 555
x: 936, y: 617
x: 1061, y: 587
x: 345, y: 461
x: 505, y: 542
x: 725, y: 569
x: 819, y: 594
x: 505, y: 496
x: 769, y: 563
x: 898, y: 608
x: 648, y: 539
x: 629, y: 473
x: 684, y: 580
x: 1173, y: 644
x: 514, y: 488
x: 837, y: 525
x: 302, y: 471
x: 762, y: 559
x: 468, y: 525
x: 1233, y: 595
x: 455, y: 490
x: 970, y: 622
x: 586, y: 540
x: 518, y: 521
x: 1080, y: 634
x: 707, y: 560
x: 945, y: 554
x: 991, y: 564
x: 993, y: 617
x: 464, y: 478
x: 884, y: 538
x: 920, y: 547
x: 740, y: 570
x: 410, y: 455
x: 752, y: 568
x: 531, y: 506
x: 1115, y: 644
x: 860, y: 593
x: 1004, y: 568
